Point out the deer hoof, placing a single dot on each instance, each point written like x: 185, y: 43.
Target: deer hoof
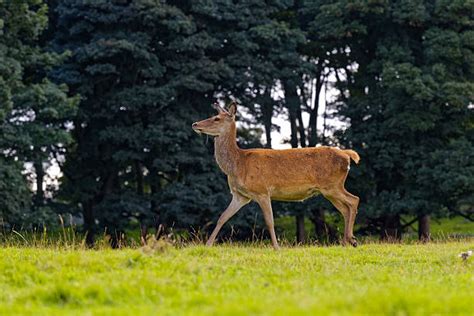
x: 353, y: 242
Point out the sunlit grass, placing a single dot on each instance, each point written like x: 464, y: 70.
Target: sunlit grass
x: 238, y: 279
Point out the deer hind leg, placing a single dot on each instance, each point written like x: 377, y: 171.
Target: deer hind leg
x: 352, y: 203
x: 235, y: 205
x: 266, y: 206
x: 346, y: 204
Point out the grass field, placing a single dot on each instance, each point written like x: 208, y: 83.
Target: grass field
x: 391, y: 279
x: 441, y: 228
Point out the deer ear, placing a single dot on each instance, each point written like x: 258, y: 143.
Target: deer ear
x: 232, y: 108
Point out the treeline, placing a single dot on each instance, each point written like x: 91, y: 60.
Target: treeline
x: 109, y: 89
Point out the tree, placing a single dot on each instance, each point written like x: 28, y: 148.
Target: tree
x: 129, y: 132
x: 34, y: 113
x: 303, y: 77
x: 406, y: 95
x: 144, y: 71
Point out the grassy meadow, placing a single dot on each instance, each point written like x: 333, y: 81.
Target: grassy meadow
x: 233, y: 279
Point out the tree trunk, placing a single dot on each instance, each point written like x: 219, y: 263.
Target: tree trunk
x: 320, y: 225
x: 313, y: 122
x: 117, y: 239
x: 424, y: 228
x: 111, y: 182
x: 88, y: 214
x: 325, y: 233
x: 268, y: 135
x: 301, y: 127
x: 294, y: 130
x: 39, y: 196
x: 323, y: 136
x: 154, y: 208
x: 143, y: 233
x: 141, y: 192
x: 267, y: 113
x: 139, y: 178
x: 292, y: 104
x: 313, y: 116
x: 391, y: 229
x: 300, y: 230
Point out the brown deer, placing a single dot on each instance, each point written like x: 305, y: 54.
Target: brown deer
x: 263, y: 175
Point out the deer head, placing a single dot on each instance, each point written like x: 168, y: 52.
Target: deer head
x: 218, y: 124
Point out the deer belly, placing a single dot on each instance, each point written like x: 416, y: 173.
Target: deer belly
x: 293, y: 194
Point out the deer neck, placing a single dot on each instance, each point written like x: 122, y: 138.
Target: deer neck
x: 227, y: 152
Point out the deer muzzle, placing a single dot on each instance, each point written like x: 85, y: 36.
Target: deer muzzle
x: 196, y: 128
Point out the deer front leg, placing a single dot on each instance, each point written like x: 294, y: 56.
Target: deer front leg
x: 235, y: 205
x: 266, y: 206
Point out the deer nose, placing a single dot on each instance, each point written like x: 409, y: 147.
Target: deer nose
x: 194, y: 124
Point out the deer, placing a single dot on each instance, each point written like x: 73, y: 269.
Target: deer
x: 290, y: 175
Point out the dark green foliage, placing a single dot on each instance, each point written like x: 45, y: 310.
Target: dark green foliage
x: 407, y: 97
x: 33, y: 110
x: 145, y: 74
x: 127, y: 74
x: 14, y: 194
x: 130, y: 77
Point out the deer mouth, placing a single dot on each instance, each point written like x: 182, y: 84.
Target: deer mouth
x: 196, y: 128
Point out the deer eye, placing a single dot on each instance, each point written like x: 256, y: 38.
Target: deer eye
x: 217, y: 119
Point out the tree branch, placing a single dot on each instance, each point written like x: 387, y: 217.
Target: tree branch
x: 409, y: 223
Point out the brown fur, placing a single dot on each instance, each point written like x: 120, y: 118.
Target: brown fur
x: 263, y: 175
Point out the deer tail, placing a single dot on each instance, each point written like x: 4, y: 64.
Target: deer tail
x: 351, y: 153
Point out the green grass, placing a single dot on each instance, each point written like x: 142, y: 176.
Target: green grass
x: 441, y: 228
x: 455, y: 226
x: 391, y: 279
